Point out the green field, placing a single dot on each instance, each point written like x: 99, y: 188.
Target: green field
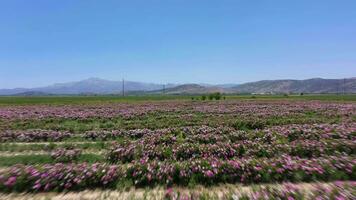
x: 63, y: 100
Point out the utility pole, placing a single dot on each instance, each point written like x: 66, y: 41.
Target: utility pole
x: 337, y: 87
x: 123, y: 87
x: 164, y: 89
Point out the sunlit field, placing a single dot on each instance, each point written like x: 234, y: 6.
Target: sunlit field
x: 178, y: 147
x: 62, y: 100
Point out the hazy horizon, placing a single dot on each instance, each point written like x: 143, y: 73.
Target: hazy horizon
x: 212, y: 42
x: 173, y: 83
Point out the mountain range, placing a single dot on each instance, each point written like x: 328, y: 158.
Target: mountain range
x: 101, y: 86
x: 87, y: 86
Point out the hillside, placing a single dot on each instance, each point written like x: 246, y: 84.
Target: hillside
x: 316, y: 85
x: 101, y: 86
x: 88, y: 86
x: 191, y: 89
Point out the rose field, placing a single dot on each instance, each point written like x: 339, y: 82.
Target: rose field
x: 178, y: 148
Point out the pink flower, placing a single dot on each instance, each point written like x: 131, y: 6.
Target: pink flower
x: 340, y: 198
x: 47, y: 186
x: 209, y: 173
x: 11, y: 181
x: 169, y: 193
x: 37, y: 186
x: 257, y: 168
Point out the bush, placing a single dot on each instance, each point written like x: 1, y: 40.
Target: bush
x: 216, y: 96
x: 211, y: 97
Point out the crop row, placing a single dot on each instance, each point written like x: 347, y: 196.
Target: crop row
x: 128, y: 152
x: 144, y: 173
x: 288, y: 191
x: 57, y: 177
x: 33, y: 135
x: 37, y: 135
x: 212, y: 171
x: 25, y: 147
x: 171, y: 147
x: 242, y: 108
x: 206, y: 142
x: 211, y: 135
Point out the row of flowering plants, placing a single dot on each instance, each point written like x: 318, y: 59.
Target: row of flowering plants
x: 314, y: 131
x: 113, y: 134
x: 86, y: 111
x: 244, y: 109
x: 287, y: 191
x: 57, y: 177
x: 194, y: 134
x: 289, y: 133
x: 65, y: 154
x: 33, y: 135
x: 223, y: 142
x: 263, y: 170
x: 130, y: 151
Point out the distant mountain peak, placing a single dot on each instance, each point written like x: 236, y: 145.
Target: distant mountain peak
x: 91, y: 85
x: 94, y: 80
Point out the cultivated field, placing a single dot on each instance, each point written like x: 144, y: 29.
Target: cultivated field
x: 242, y: 147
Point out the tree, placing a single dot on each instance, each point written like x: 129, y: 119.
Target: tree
x: 211, y: 96
x: 216, y: 96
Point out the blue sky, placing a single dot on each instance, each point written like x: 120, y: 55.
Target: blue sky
x: 176, y: 41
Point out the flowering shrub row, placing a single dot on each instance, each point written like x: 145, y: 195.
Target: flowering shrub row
x: 214, y: 171
x: 275, y: 108
x: 145, y: 173
x: 132, y: 151
x: 65, y: 154
x: 58, y: 177
x: 86, y: 111
x: 102, y: 135
x: 108, y: 135
x: 242, y: 108
x: 222, y: 142
x: 33, y: 135
x: 202, y: 134
x: 314, y: 131
x: 291, y: 132
x: 288, y: 191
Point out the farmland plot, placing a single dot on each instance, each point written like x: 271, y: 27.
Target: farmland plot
x: 275, y: 149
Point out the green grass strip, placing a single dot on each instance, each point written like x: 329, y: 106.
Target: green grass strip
x: 6, y: 161
x: 20, y: 147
